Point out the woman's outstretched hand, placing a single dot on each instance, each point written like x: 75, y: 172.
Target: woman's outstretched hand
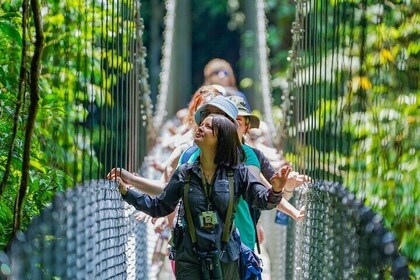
x: 279, y: 179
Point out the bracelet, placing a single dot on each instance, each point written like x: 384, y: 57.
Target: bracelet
x: 287, y: 190
x: 277, y: 193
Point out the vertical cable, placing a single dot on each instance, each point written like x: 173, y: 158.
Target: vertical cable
x: 350, y: 89
x: 131, y: 133
x: 84, y: 85
x: 77, y: 98
x: 66, y: 123
x: 309, y: 92
x: 135, y: 93
x: 313, y: 87
x: 318, y: 85
x: 102, y: 90
x: 340, y: 85
x: 344, y: 140
x: 108, y: 163
x: 334, y: 87
x: 92, y: 99
x: 361, y: 98
x: 128, y: 86
x: 119, y: 93
x: 326, y: 128
x: 303, y: 66
x: 297, y: 96
x: 134, y: 98
x: 111, y: 63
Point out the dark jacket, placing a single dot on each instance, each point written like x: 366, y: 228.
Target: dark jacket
x: 245, y: 185
x: 265, y: 165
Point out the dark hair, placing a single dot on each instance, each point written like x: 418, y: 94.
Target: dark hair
x: 229, y: 151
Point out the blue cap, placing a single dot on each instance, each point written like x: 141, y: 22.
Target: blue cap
x: 227, y: 106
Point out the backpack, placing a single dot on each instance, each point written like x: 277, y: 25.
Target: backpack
x: 187, y: 154
x: 250, y: 265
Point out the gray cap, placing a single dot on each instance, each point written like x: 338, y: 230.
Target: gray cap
x: 227, y: 106
x: 240, y: 103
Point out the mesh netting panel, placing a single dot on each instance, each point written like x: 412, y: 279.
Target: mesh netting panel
x: 87, y: 233
x: 340, y: 238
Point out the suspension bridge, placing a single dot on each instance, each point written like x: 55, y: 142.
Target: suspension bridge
x: 106, y: 115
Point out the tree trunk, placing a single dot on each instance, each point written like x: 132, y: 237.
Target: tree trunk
x: 33, y: 110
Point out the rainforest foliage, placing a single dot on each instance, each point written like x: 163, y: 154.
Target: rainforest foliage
x: 382, y: 151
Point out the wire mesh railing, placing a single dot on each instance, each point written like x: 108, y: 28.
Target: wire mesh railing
x: 343, y: 114
x: 87, y: 232
x: 340, y: 238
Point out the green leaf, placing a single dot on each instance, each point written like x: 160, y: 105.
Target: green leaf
x: 9, y: 30
x: 38, y: 165
x: 10, y: 15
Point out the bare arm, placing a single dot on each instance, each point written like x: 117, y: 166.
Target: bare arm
x: 290, y: 210
x: 149, y: 186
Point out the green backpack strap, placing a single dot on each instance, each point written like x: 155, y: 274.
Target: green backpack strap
x: 228, y: 221
x: 190, y: 222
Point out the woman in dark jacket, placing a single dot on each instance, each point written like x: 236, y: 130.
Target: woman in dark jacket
x: 208, y: 193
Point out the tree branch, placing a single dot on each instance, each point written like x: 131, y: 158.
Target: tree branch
x: 33, y: 110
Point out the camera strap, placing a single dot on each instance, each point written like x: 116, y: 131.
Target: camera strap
x: 187, y: 211
x: 228, y: 221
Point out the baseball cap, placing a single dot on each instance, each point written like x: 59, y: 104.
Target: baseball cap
x: 220, y: 102
x: 243, y: 110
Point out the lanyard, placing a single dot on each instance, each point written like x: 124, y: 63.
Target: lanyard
x: 207, y: 188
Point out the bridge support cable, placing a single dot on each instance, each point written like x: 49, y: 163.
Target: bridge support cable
x: 264, y: 67
x: 175, y: 77
x: 167, y: 57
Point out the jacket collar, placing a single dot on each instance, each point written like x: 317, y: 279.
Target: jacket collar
x: 195, y: 167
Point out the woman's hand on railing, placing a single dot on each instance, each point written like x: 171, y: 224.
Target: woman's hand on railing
x: 294, y: 180
x: 122, y: 173
x: 299, y: 215
x: 122, y: 186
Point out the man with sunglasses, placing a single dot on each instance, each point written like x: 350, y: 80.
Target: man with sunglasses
x: 219, y: 72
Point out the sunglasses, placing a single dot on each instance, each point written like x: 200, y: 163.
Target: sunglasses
x: 220, y: 73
